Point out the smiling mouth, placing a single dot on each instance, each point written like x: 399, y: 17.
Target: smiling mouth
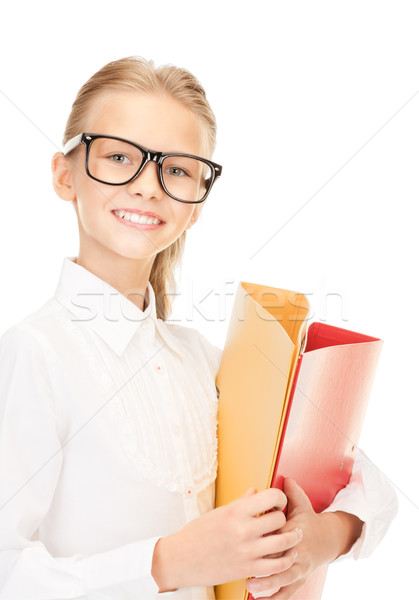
x: 137, y: 219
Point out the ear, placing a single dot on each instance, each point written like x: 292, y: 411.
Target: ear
x: 62, y: 180
x: 194, y: 217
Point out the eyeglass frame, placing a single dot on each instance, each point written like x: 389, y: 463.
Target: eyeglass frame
x: 148, y: 156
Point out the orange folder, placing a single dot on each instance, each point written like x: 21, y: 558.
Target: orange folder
x: 292, y: 402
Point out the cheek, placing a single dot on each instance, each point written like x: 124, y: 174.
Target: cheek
x: 183, y: 214
x: 93, y: 196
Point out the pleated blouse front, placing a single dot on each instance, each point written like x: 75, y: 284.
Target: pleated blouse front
x: 114, y: 416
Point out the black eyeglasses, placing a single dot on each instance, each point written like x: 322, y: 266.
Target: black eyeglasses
x: 116, y: 161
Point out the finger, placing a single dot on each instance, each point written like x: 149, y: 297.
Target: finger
x: 269, y: 545
x: 276, y: 554
x: 262, y: 587
x: 287, y: 577
x: 287, y: 592
x: 269, y: 522
x: 266, y: 567
x: 264, y: 582
x: 284, y: 593
x: 264, y: 501
x: 271, y: 582
x: 250, y: 492
x: 298, y: 500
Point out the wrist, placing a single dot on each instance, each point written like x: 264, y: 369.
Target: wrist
x: 162, y: 565
x: 341, y: 529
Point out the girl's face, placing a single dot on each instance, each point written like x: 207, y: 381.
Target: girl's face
x: 158, y: 122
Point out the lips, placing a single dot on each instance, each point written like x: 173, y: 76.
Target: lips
x: 139, y: 212
x: 138, y: 217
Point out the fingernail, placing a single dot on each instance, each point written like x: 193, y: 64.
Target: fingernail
x: 299, y: 533
x: 252, y: 585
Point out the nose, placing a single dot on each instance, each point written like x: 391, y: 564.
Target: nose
x: 147, y: 183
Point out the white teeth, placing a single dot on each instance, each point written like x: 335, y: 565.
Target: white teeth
x: 136, y: 218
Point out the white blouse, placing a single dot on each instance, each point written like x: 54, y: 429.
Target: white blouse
x: 108, y: 442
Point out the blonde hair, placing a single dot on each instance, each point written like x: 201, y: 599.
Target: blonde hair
x: 135, y: 74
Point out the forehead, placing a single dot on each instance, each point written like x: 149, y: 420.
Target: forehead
x: 155, y: 121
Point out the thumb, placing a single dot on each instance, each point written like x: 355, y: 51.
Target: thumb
x: 297, y: 500
x: 250, y: 492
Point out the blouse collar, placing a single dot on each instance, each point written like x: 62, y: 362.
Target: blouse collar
x: 104, y: 309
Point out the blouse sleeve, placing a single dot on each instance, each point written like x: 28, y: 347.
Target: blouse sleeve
x: 370, y: 497
x: 30, y: 464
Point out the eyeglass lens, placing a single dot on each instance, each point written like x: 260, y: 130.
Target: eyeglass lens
x: 114, y: 161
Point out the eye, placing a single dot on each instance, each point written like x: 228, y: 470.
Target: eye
x: 177, y: 172
x: 119, y: 159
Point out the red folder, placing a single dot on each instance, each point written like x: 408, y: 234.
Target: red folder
x: 326, y: 411
x: 318, y: 421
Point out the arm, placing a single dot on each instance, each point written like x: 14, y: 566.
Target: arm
x: 325, y: 537
x: 227, y: 543
x: 370, y: 497
x: 353, y: 525
x: 31, y: 460
x: 32, y: 456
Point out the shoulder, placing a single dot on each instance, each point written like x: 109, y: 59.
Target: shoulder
x: 29, y: 336
x: 196, y: 344
x: 26, y: 366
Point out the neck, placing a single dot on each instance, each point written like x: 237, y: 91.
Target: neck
x: 129, y: 276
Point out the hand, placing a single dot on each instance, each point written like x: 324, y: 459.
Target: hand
x: 227, y: 543
x: 325, y: 537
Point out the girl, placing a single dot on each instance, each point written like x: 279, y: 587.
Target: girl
x: 108, y: 413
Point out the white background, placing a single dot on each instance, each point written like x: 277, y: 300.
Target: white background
x: 317, y: 109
